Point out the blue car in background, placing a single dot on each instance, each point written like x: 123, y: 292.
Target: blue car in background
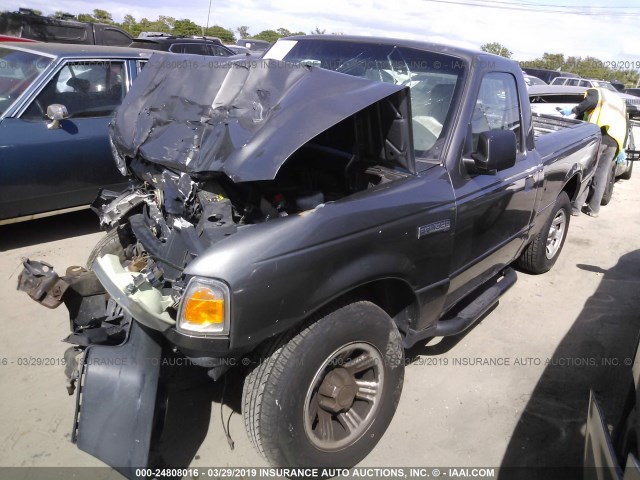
x: 56, y: 101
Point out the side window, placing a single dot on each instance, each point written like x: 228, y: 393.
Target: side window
x: 497, y: 107
x: 584, y: 83
x: 114, y: 37
x: 192, y: 48
x: 219, y: 51
x: 572, y: 82
x: 86, y: 89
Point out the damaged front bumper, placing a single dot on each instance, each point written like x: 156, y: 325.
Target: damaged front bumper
x: 116, y: 400
x: 117, y: 365
x: 141, y: 300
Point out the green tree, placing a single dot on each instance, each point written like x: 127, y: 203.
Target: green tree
x: 167, y: 23
x: 57, y: 14
x: 317, y: 31
x: 268, y: 35
x: 186, y: 27
x: 284, y: 32
x: 551, y: 61
x: 587, y: 67
x: 146, y: 25
x: 86, y: 17
x: 243, y: 31
x: 102, y: 16
x: 497, y: 49
x: 226, y: 36
x: 130, y: 24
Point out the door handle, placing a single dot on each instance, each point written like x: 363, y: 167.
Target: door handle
x: 529, y: 182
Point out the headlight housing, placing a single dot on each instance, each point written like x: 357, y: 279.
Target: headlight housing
x: 204, y: 309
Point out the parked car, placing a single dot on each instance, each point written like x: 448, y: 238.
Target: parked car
x: 613, y: 453
x: 254, y: 44
x: 548, y: 99
x: 311, y: 222
x: 56, y: 101
x: 619, y: 86
x: 9, y: 38
x: 238, y: 50
x: 583, y: 82
x: 531, y: 80
x: 548, y: 75
x: 632, y: 91
x: 26, y: 24
x: 195, y: 46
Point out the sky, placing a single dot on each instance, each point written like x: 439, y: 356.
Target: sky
x: 605, y: 30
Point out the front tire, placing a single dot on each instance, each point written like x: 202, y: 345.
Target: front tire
x: 112, y: 243
x: 324, y: 395
x: 543, y: 251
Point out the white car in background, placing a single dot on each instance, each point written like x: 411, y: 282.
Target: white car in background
x: 583, y: 82
x: 530, y: 80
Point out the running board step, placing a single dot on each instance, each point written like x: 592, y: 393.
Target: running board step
x: 469, y: 315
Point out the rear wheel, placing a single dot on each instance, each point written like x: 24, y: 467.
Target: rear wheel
x: 325, y: 395
x: 608, y: 191
x: 627, y: 175
x: 543, y: 251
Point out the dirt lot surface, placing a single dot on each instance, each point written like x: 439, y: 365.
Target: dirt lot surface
x: 513, y: 391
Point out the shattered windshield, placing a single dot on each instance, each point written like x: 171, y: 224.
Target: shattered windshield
x: 18, y: 70
x: 434, y: 78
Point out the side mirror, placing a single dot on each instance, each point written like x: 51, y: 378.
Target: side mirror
x: 56, y: 113
x: 497, y: 150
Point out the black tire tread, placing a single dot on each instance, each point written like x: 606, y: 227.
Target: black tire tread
x: 279, y: 348
x: 533, y: 257
x: 529, y: 257
x: 627, y: 175
x: 110, y: 243
x: 273, y: 358
x: 608, y: 191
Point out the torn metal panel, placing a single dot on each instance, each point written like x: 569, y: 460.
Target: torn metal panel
x: 246, y: 118
x: 117, y: 401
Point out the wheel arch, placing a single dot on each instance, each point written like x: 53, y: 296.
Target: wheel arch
x: 393, y: 295
x: 572, y: 186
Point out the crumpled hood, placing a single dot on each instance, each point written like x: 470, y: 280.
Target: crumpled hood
x: 199, y: 114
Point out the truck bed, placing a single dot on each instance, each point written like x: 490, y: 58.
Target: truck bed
x: 543, y: 124
x: 553, y: 134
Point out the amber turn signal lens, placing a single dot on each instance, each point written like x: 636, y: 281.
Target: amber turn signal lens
x: 204, y: 308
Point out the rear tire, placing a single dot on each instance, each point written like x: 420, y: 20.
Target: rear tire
x: 627, y: 175
x: 608, y: 191
x: 543, y: 251
x: 355, y: 352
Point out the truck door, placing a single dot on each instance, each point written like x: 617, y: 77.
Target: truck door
x: 493, y: 211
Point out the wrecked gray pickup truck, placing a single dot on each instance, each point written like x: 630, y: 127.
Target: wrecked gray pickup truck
x: 312, y: 217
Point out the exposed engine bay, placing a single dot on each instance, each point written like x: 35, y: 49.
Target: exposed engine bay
x: 173, y: 217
